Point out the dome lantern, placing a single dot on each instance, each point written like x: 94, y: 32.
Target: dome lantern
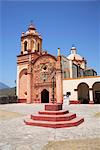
x: 73, y: 49
x: 31, y: 26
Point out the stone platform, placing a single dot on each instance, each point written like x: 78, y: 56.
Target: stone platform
x: 53, y: 107
x: 54, y: 117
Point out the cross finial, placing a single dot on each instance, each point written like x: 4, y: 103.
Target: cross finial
x: 31, y: 25
x: 73, y: 45
x: 31, y: 22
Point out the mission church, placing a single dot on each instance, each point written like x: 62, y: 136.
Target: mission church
x: 44, y: 78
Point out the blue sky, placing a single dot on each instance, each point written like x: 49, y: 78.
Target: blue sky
x: 61, y: 24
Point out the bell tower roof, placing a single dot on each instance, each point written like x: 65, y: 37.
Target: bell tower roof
x: 31, y: 27
x: 31, y: 40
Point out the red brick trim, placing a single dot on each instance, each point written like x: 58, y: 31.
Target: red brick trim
x: 21, y: 100
x: 74, y: 102
x: 91, y: 102
x: 37, y: 101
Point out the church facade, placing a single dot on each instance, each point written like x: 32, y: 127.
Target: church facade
x: 39, y: 74
x: 44, y: 78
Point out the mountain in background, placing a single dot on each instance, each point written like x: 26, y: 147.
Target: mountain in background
x: 3, y: 86
x: 7, y: 92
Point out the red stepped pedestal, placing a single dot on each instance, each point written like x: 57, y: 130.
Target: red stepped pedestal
x: 53, y: 107
x: 54, y: 117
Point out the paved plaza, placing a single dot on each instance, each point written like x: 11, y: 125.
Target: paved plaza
x: 15, y: 135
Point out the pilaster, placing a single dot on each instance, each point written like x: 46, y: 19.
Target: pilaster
x: 29, y: 97
x: 91, y: 96
x: 71, y: 73
x: 17, y: 88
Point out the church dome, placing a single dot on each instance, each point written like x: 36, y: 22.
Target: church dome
x: 74, y: 55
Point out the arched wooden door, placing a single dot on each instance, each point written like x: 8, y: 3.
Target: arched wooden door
x: 44, y: 96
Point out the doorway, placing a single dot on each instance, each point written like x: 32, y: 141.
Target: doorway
x: 97, y: 97
x: 44, y: 96
x: 96, y: 92
x: 83, y: 93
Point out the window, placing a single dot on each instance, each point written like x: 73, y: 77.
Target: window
x: 75, y: 70
x: 25, y: 46
x: 38, y: 47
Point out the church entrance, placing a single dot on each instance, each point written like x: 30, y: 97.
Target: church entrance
x: 44, y: 96
x: 83, y: 93
x: 96, y: 92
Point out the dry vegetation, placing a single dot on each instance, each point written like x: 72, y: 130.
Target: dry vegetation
x: 97, y: 115
x: 80, y: 144
x: 8, y: 115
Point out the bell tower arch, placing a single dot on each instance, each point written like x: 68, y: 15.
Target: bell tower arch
x: 31, y: 41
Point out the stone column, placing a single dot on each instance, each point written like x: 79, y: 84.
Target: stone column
x: 59, y: 87
x: 28, y: 44
x: 17, y: 88
x: 29, y: 85
x: 70, y: 65
x: 59, y: 83
x: 91, y: 96
x: 22, y: 46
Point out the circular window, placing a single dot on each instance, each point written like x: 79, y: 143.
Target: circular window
x: 44, y: 67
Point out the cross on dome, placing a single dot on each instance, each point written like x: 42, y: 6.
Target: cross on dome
x: 73, y: 49
x: 31, y: 26
x: 73, y: 46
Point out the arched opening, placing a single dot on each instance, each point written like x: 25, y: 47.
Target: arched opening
x: 38, y: 47
x: 23, y: 85
x: 44, y: 96
x: 23, y: 72
x: 96, y: 92
x: 83, y: 93
x: 25, y: 46
x: 32, y: 44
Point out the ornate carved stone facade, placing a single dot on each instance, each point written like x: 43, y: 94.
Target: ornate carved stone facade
x: 39, y: 74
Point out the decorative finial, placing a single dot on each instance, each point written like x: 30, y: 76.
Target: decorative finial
x: 31, y: 26
x: 58, y: 51
x: 73, y: 45
x: 31, y: 22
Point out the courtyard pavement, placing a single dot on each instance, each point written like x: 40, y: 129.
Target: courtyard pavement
x: 15, y: 135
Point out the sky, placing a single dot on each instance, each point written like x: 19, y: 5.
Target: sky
x: 61, y: 24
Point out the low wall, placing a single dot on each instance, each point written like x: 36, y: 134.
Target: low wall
x: 8, y: 99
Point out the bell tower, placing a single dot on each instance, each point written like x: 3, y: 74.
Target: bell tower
x: 31, y: 49
x: 31, y: 41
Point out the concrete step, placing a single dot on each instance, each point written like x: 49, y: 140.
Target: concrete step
x: 60, y: 112
x: 60, y: 124
x: 64, y: 117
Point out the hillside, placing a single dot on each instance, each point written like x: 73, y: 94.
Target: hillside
x: 3, y: 86
x: 7, y: 92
